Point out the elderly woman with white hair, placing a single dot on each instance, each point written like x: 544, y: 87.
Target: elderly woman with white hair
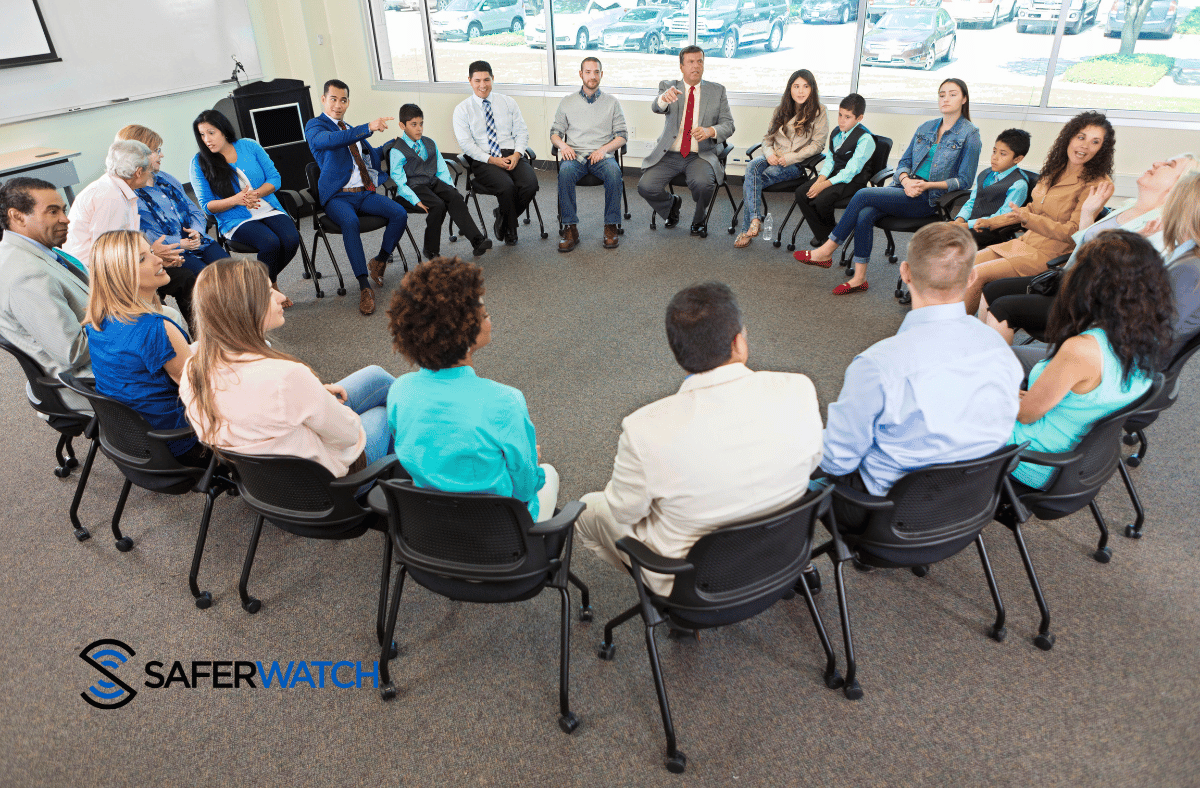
x: 111, y: 203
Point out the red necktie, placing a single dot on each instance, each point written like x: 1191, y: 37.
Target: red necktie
x: 685, y: 146
x: 358, y: 160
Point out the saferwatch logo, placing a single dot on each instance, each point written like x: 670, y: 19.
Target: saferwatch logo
x: 106, y: 656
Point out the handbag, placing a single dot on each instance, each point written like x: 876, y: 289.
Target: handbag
x: 1045, y: 283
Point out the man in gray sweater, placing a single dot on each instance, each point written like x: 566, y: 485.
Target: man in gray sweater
x: 588, y: 127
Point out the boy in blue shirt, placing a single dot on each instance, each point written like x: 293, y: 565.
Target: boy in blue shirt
x: 843, y: 171
x: 996, y: 190
x: 423, y: 183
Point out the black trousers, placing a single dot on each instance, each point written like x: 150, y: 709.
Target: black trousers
x: 441, y: 199
x: 514, y: 189
x: 180, y: 287
x: 1009, y: 302
x: 818, y: 211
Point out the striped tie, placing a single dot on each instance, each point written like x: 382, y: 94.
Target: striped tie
x: 493, y: 141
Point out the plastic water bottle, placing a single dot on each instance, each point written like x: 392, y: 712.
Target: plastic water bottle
x: 768, y: 228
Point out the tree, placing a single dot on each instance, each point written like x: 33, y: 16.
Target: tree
x: 1135, y: 16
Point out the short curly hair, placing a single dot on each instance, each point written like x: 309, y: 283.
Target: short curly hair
x: 435, y: 315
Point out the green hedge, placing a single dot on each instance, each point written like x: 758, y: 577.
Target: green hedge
x: 1139, y: 71
x: 505, y: 39
x: 1191, y: 25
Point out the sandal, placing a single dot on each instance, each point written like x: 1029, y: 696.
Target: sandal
x: 806, y: 257
x: 753, y: 229
x: 742, y: 241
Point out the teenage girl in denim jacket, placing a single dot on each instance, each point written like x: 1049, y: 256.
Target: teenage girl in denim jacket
x: 942, y: 156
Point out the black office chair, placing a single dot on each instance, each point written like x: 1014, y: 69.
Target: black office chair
x: 324, y: 225
x: 927, y: 516
x: 392, y: 189
x: 473, y: 191
x: 297, y: 205
x: 1082, y: 472
x: 729, y: 575
x: 592, y: 180
x: 879, y: 173
x: 142, y: 456
x: 68, y: 423
x: 680, y: 180
x: 480, y: 548
x: 809, y: 169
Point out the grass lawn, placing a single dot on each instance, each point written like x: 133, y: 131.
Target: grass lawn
x: 1141, y: 71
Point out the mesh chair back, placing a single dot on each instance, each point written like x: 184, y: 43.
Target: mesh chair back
x: 1170, y: 391
x: 879, y: 159
x: 50, y: 400
x: 312, y: 174
x: 1032, y: 177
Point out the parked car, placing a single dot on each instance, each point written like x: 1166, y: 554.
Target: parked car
x: 462, y: 20
x: 1042, y: 15
x: 1160, y: 20
x: 725, y: 26
x: 839, y: 11
x: 640, y: 30
x: 401, y: 5
x: 877, y: 8
x: 985, y: 12
x: 577, y: 23
x: 910, y: 38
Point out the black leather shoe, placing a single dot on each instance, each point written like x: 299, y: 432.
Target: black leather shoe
x: 482, y: 245
x: 673, y: 214
x: 700, y: 229
x: 510, y: 240
x: 498, y: 227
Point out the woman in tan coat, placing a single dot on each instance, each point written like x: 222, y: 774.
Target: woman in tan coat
x: 1079, y: 165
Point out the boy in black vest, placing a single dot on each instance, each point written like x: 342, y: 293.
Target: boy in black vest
x: 842, y: 173
x: 423, y: 183
x: 997, y: 190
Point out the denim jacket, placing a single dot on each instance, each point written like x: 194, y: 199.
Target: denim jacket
x: 955, y: 161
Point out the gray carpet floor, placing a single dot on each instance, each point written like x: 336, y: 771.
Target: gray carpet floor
x: 1115, y: 703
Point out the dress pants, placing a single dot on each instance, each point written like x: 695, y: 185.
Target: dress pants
x: 701, y: 181
x: 514, y: 188
x: 275, y: 239
x: 818, y: 211
x: 195, y: 260
x: 1010, y: 301
x: 441, y: 199
x: 345, y: 207
x: 180, y: 286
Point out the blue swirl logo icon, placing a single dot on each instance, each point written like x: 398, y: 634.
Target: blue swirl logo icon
x: 106, y: 656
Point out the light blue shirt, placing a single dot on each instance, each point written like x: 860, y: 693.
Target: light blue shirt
x: 396, y: 165
x: 863, y: 150
x: 470, y: 126
x: 457, y: 432
x: 943, y: 389
x: 166, y: 214
x: 1016, y: 194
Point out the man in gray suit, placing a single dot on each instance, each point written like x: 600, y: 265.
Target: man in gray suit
x: 698, y: 122
x: 43, y: 292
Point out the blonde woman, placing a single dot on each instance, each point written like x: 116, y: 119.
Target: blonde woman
x: 138, y: 349
x: 1181, y: 233
x: 241, y: 394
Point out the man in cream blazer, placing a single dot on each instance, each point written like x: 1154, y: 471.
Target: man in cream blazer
x: 730, y: 445
x: 696, y: 124
x: 43, y: 294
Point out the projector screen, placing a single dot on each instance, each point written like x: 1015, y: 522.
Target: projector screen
x: 24, y: 39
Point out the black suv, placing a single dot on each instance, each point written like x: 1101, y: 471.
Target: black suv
x: 725, y: 26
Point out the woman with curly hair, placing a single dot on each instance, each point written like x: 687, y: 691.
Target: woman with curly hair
x: 1078, y: 170
x: 241, y: 394
x: 798, y: 130
x: 454, y: 431
x: 1109, y: 331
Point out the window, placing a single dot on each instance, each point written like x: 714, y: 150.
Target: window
x: 464, y: 31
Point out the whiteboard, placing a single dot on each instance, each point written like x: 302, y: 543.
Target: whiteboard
x: 123, y: 50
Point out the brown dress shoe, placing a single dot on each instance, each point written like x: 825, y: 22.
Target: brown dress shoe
x: 570, y: 238
x: 376, y: 267
x: 366, y: 301
x: 611, y: 237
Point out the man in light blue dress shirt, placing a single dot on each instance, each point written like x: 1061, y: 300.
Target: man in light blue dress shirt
x: 945, y: 388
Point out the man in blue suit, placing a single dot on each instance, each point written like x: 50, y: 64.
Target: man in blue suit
x: 350, y: 171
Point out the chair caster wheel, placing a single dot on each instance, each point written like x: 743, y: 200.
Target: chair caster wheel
x: 731, y: 231
x: 606, y: 651
x: 320, y: 294
x: 776, y: 244
x: 72, y: 462
x: 850, y: 272
x: 920, y: 571
x: 897, y: 293
x: 341, y: 291
x: 124, y: 544
x: 585, y: 614
x: 545, y: 235
x: 204, y: 601
x: 305, y: 275
x: 834, y: 679
x: 704, y: 233
x: 1103, y: 555
x: 393, y: 650
x: 788, y: 595
x: 677, y: 763
x: 252, y: 605
x: 852, y: 691
x: 62, y: 472
x: 892, y: 259
x: 998, y: 635
x: 388, y: 691
x: 568, y: 722
x: 525, y: 220
x: 1132, y: 532
x: 453, y: 238
x: 791, y: 247
x: 82, y: 534
x: 1129, y: 439
x: 628, y: 216
x: 906, y: 299
x: 1044, y: 641
x: 620, y: 231
x: 1133, y: 461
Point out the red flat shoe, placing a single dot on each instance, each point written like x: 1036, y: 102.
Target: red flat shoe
x: 846, y: 289
x: 806, y: 257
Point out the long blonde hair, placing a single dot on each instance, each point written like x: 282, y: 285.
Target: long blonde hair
x: 1181, y: 214
x: 116, y: 256
x: 231, y: 300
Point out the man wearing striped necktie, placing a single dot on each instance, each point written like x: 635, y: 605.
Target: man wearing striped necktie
x: 491, y: 131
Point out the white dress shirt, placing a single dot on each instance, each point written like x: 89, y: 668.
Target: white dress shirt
x: 106, y: 204
x: 682, y: 116
x: 470, y: 126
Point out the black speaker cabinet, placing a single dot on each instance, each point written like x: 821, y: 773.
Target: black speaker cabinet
x: 273, y: 114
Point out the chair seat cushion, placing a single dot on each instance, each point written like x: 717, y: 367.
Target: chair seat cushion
x: 465, y: 591
x: 718, y: 617
x: 366, y: 224
x: 786, y: 186
x: 238, y: 248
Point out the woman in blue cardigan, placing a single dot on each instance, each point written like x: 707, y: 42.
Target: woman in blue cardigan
x: 235, y: 181
x: 942, y: 156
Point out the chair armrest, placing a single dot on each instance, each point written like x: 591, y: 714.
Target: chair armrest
x: 565, y: 518
x: 1051, y: 460
x: 50, y: 383
x: 751, y: 149
x: 1058, y: 262
x: 171, y: 435
x: 529, y: 154
x: 307, y: 197
x: 455, y: 167
x: 725, y: 151
x: 951, y: 202
x: 374, y: 471
x: 649, y: 560
x: 881, y: 177
x: 862, y: 500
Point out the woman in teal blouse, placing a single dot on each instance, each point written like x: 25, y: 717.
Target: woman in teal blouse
x: 1108, y: 331
x: 455, y: 431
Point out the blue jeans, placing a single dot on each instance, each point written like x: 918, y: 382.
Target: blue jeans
x: 366, y: 395
x: 759, y: 175
x: 195, y: 259
x: 571, y: 172
x: 868, y: 206
x: 274, y: 238
x: 344, y: 208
